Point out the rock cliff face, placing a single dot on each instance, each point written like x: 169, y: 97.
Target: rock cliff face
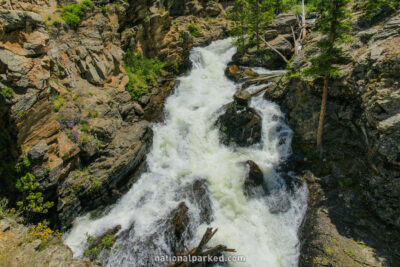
x: 359, y: 172
x: 70, y: 117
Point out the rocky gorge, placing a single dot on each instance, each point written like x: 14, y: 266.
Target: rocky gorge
x: 86, y: 139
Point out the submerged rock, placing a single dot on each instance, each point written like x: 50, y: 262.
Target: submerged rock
x: 197, y: 192
x: 254, y: 181
x: 240, y: 124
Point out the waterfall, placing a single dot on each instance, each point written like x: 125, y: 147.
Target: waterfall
x: 186, y: 147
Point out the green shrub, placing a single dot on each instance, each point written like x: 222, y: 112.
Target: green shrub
x: 43, y: 232
x: 346, y: 182
x: 95, y: 246
x: 5, y: 211
x: 72, y: 14
x: 33, y: 201
x: 26, y: 161
x: 57, y: 102
x: 142, y: 72
x: 194, y: 30
x: 57, y: 22
x: 103, y: 8
x: 7, y: 93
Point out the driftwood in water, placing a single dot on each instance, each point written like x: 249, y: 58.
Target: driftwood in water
x: 266, y: 87
x: 200, y: 250
x: 259, y: 80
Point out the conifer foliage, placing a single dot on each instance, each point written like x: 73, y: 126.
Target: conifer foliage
x: 334, y: 23
x: 252, y: 17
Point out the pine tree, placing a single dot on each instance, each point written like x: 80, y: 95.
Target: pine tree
x: 334, y: 23
x: 374, y: 6
x: 238, y: 14
x: 260, y: 14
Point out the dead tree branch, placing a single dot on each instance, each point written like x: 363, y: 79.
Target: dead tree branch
x: 198, y: 251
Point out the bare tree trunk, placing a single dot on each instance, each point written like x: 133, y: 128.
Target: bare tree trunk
x: 303, y: 20
x: 275, y: 50
x: 296, y: 42
x: 322, y: 114
x: 257, y: 25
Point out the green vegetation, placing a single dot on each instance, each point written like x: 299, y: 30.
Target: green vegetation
x: 26, y: 161
x: 252, y: 17
x: 57, y: 102
x: 57, y: 23
x: 375, y: 6
x: 346, y: 182
x: 5, y: 211
x: 7, y: 93
x: 33, y: 202
x: 295, y: 6
x: 72, y: 14
x: 334, y: 23
x: 142, y: 72
x: 194, y: 30
x: 95, y: 246
x: 43, y: 232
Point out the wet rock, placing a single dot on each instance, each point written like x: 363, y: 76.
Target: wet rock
x: 254, y: 180
x: 198, y: 194
x: 242, y: 98
x: 279, y: 202
x: 240, y: 124
x: 177, y: 224
x: 232, y: 72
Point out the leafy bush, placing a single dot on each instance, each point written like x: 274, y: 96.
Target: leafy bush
x: 33, y: 201
x: 43, y: 232
x: 7, y: 93
x: 4, y: 210
x: 26, y: 161
x: 72, y: 14
x: 57, y: 22
x: 142, y: 72
x: 57, y: 102
x: 194, y: 30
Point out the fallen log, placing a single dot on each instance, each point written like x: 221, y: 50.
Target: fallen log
x: 261, y: 80
x: 200, y: 252
x: 266, y: 87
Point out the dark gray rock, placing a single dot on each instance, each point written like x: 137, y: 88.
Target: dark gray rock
x: 39, y: 153
x: 240, y: 124
x: 283, y: 23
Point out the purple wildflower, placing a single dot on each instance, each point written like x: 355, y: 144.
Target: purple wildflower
x: 75, y: 135
x: 71, y: 124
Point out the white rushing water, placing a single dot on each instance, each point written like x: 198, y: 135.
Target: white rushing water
x: 186, y: 147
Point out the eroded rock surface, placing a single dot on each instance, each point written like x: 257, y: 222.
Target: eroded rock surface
x: 360, y: 142
x: 70, y: 116
x: 240, y: 124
